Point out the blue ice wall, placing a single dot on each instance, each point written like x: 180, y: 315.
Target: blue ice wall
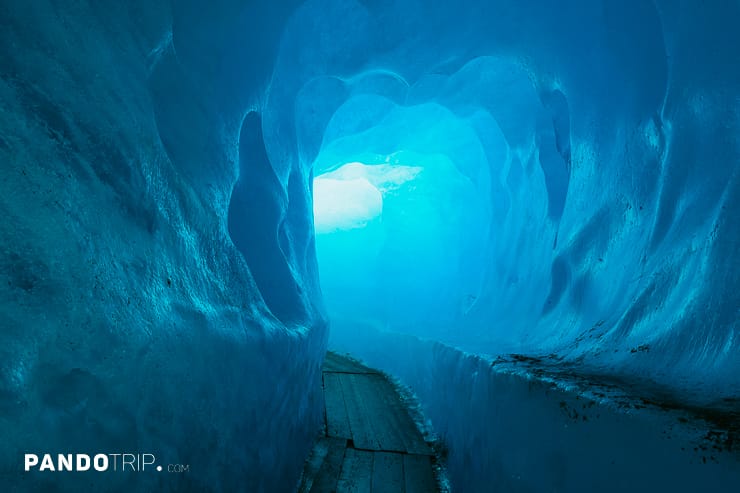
x: 158, y: 292
x: 590, y: 203
x: 577, y: 203
x: 541, y: 178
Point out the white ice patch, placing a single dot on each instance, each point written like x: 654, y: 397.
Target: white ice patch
x: 385, y: 177
x: 352, y: 195
x: 344, y: 204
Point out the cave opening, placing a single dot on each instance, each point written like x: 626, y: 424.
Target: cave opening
x: 394, y: 237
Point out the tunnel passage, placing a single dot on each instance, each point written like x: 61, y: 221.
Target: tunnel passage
x: 550, y: 230
x: 554, y: 194
x: 537, y: 222
x: 510, y: 190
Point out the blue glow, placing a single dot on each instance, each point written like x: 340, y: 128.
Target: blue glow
x: 528, y: 211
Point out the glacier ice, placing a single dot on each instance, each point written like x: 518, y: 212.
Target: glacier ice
x: 343, y: 201
x: 554, y: 180
x: 136, y: 315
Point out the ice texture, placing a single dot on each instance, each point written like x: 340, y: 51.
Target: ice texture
x: 578, y: 191
x: 138, y: 313
x: 577, y: 206
x: 575, y: 194
x: 513, y: 425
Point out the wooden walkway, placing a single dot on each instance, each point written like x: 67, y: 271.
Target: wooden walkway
x: 371, y: 444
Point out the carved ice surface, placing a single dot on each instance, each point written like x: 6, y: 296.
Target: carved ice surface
x: 551, y: 179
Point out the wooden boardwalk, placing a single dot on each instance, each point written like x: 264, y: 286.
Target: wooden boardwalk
x: 371, y: 444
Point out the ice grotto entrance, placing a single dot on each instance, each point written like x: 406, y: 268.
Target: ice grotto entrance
x: 396, y: 242
x: 559, y: 247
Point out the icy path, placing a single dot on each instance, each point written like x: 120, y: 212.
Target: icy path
x: 370, y: 444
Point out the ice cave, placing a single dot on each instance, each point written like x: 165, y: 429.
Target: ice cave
x: 526, y: 213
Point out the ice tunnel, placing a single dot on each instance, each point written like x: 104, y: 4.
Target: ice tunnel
x: 526, y: 212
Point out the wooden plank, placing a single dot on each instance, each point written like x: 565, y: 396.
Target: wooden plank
x: 388, y: 473
x: 377, y: 418
x: 376, y: 410
x: 387, y: 416
x: 418, y: 474
x: 395, y: 417
x: 339, y: 364
x: 357, y: 472
x: 337, y: 422
x: 360, y: 408
x: 328, y: 475
x: 381, y: 396
x: 362, y: 405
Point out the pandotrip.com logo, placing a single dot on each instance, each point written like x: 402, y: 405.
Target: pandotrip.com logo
x: 118, y: 462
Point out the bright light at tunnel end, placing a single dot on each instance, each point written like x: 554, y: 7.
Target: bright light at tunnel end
x: 351, y: 196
